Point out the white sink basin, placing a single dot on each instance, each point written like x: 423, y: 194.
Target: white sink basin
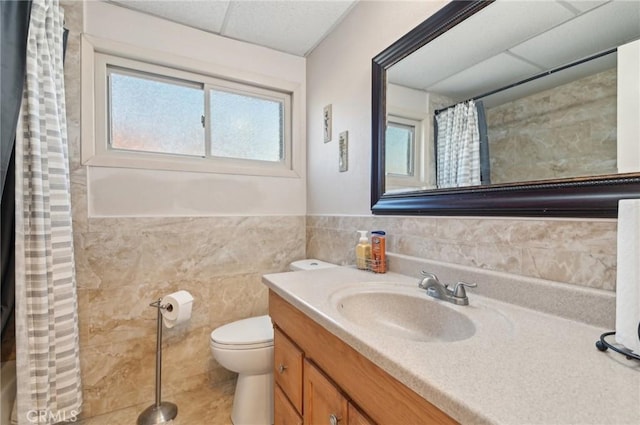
x: 403, y: 312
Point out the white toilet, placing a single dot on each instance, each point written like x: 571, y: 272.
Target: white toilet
x: 246, y: 347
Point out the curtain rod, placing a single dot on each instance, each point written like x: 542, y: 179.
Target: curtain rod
x: 535, y: 77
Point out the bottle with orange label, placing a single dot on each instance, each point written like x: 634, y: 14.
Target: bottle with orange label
x: 378, y: 251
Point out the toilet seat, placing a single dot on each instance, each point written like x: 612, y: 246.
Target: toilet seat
x: 246, y: 334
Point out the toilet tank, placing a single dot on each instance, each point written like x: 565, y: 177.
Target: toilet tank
x: 310, y: 264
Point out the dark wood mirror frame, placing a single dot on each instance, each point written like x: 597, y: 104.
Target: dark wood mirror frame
x: 595, y: 197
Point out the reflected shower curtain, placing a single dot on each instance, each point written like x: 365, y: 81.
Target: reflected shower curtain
x: 49, y: 388
x: 458, y: 146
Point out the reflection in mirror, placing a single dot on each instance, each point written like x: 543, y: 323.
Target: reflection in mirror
x: 543, y: 77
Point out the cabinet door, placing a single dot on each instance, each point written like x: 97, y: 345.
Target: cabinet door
x: 356, y: 417
x: 323, y: 402
x: 287, y: 363
x: 283, y: 411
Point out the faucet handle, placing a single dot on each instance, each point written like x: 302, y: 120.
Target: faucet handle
x: 429, y: 275
x: 427, y: 278
x: 458, y: 290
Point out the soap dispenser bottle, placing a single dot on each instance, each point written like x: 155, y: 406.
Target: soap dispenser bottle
x: 363, y: 251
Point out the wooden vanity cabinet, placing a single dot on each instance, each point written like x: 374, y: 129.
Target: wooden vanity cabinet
x: 323, y: 402
x: 335, y: 379
x: 287, y: 373
x: 283, y: 411
x: 356, y: 417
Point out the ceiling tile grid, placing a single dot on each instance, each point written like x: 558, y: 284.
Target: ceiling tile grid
x: 291, y: 26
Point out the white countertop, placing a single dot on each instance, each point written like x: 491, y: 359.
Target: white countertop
x: 520, y: 367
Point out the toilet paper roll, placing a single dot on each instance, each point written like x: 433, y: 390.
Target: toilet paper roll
x: 178, y: 308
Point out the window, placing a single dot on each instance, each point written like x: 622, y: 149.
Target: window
x: 246, y: 126
x: 399, y: 154
x: 154, y: 116
x: 405, y: 153
x: 153, y: 113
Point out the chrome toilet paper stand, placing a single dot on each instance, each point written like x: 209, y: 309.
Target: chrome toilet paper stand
x: 161, y: 411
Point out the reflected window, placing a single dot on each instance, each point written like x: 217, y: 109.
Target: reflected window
x: 400, y: 148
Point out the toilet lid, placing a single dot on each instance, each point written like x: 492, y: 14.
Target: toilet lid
x: 253, y: 330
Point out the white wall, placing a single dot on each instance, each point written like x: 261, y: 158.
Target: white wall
x: 134, y: 192
x: 339, y: 73
x: 629, y: 107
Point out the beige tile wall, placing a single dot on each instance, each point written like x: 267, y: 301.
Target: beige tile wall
x: 567, y: 131
x: 123, y: 264
x: 578, y: 252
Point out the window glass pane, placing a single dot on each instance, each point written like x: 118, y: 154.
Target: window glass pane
x: 155, y: 115
x: 246, y: 127
x: 399, y: 149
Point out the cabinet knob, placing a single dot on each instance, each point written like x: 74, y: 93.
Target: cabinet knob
x: 281, y: 368
x: 333, y: 419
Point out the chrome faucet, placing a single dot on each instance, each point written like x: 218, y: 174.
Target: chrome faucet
x: 435, y: 289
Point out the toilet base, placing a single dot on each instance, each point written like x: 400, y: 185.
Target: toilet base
x: 253, y: 400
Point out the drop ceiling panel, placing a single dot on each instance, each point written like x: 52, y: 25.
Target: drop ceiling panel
x: 293, y: 26
x: 583, y: 6
x: 553, y: 80
x: 487, y: 33
x: 584, y: 35
x: 498, y: 71
x: 204, y: 15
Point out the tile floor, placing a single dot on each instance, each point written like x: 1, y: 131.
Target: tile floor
x: 206, y: 406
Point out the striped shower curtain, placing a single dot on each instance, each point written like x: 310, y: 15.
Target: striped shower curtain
x: 458, y: 146
x: 47, y: 353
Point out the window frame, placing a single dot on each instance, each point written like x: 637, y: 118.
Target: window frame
x: 98, y: 55
x: 414, y: 130
x: 420, y: 154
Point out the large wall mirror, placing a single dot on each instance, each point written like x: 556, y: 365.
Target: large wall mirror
x: 523, y: 108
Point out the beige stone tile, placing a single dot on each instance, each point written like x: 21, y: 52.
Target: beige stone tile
x: 117, y: 375
x: 79, y: 201
x: 334, y: 246
x: 206, y: 407
x: 171, y: 387
x: 236, y: 297
x: 201, y: 253
x: 209, y: 405
x: 85, y: 276
x: 123, y: 313
x: 578, y: 268
x: 521, y: 246
x: 425, y: 227
x: 598, y: 236
x: 417, y: 246
x: 391, y: 225
x: 112, y: 259
x: 84, y: 315
x: 122, y: 374
x: 462, y: 230
x: 195, y: 224
x: 185, y: 355
x: 499, y: 257
x: 457, y: 253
